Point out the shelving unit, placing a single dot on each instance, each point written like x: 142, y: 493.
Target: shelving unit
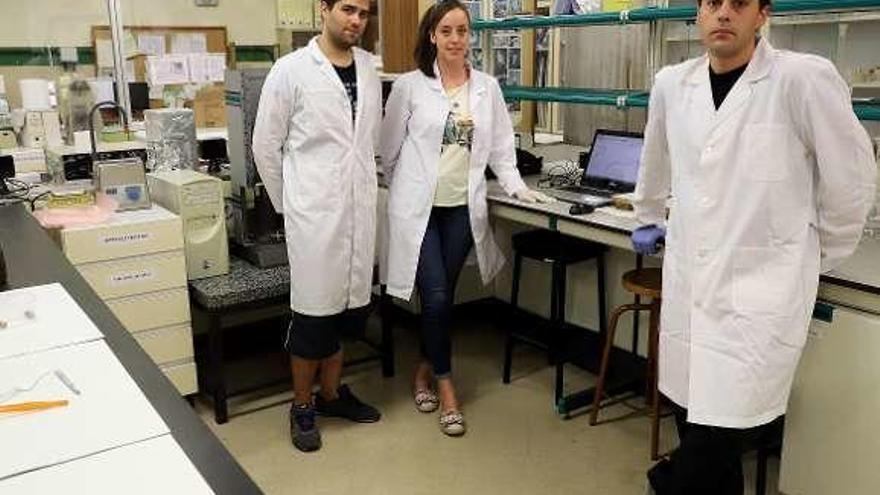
x: 844, y: 35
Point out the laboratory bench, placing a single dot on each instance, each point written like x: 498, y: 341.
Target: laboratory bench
x: 32, y: 258
x: 256, y: 302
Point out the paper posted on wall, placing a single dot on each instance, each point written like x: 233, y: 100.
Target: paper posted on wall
x: 151, y: 44
x: 189, y: 43
x: 169, y: 69
x: 204, y: 68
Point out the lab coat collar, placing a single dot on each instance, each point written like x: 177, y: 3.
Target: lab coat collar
x: 435, y: 82
x: 324, y: 64
x: 476, y: 80
x: 759, y: 66
x: 330, y: 72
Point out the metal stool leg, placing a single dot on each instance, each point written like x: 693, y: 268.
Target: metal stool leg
x: 217, y: 371
x: 558, y: 318
x: 603, y: 315
x: 514, y: 300
x: 606, y: 357
x: 654, y: 351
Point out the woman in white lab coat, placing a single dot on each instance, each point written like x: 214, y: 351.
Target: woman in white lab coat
x: 444, y: 123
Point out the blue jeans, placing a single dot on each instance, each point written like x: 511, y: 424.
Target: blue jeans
x: 446, y: 244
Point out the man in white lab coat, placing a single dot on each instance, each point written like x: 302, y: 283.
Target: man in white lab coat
x: 314, y: 141
x: 768, y: 178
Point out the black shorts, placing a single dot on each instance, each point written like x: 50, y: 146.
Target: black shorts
x: 317, y: 337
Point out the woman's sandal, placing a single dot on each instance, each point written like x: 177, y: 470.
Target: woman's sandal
x: 452, y: 423
x: 426, y: 401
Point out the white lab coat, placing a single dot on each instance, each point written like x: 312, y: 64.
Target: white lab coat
x: 766, y: 193
x: 412, y: 133
x: 320, y: 170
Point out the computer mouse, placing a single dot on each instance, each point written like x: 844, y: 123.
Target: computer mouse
x: 581, y: 209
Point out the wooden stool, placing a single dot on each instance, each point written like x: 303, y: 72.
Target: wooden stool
x: 645, y: 282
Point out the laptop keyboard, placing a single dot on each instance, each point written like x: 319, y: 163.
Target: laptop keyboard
x: 593, y: 191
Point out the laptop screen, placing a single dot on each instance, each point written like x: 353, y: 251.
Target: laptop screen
x: 615, y: 157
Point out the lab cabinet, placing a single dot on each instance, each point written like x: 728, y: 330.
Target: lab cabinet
x: 831, y: 434
x: 134, y: 261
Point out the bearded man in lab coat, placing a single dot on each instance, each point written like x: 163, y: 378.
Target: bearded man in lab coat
x: 314, y: 140
x: 768, y: 178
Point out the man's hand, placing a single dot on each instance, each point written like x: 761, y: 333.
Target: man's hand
x: 647, y: 239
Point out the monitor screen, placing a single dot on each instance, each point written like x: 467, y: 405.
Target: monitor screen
x: 615, y: 157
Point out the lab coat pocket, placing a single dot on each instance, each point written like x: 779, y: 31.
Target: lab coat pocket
x: 768, y: 288
x: 765, y: 152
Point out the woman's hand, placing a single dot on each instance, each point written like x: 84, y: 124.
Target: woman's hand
x: 532, y: 196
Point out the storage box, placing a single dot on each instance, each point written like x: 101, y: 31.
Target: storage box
x: 210, y: 107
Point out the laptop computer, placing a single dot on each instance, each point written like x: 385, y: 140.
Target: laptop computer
x: 613, y: 168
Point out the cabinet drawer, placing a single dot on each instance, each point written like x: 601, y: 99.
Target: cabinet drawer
x: 137, y: 275
x: 155, y: 310
x: 183, y: 376
x: 166, y: 345
x: 125, y: 234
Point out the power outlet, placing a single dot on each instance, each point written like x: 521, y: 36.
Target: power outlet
x: 207, y: 3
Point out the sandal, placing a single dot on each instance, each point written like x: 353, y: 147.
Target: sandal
x: 452, y: 423
x: 426, y: 401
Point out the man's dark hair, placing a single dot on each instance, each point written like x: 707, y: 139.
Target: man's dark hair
x: 330, y: 3
x: 761, y: 3
x: 426, y: 51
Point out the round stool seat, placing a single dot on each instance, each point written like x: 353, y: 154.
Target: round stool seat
x: 646, y: 282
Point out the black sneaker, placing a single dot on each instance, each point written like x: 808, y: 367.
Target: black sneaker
x: 303, y: 429
x: 346, y: 406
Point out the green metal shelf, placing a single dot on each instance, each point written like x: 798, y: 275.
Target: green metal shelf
x: 631, y: 99
x: 867, y: 111
x: 583, y: 96
x: 648, y: 14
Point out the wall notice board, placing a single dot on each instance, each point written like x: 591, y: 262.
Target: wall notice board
x: 142, y: 41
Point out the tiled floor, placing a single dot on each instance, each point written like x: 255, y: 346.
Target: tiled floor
x: 516, y: 443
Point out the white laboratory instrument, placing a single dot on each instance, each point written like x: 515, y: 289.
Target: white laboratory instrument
x: 198, y: 199
x: 134, y: 261
x: 125, y: 181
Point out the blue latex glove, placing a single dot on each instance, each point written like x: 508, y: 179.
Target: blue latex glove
x: 648, y: 238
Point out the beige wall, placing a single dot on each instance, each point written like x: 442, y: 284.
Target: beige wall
x: 424, y: 5
x: 68, y: 22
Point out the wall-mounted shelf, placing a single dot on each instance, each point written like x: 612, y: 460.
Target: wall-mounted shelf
x: 649, y: 14
x: 865, y: 110
x: 583, y: 96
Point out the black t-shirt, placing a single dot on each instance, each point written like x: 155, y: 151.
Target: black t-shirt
x: 723, y: 83
x: 348, y: 75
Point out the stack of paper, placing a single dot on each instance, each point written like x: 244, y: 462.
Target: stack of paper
x: 107, y: 438
x: 150, y: 467
x: 40, y: 318
x: 108, y: 412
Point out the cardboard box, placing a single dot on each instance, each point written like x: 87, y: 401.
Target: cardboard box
x: 210, y: 107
